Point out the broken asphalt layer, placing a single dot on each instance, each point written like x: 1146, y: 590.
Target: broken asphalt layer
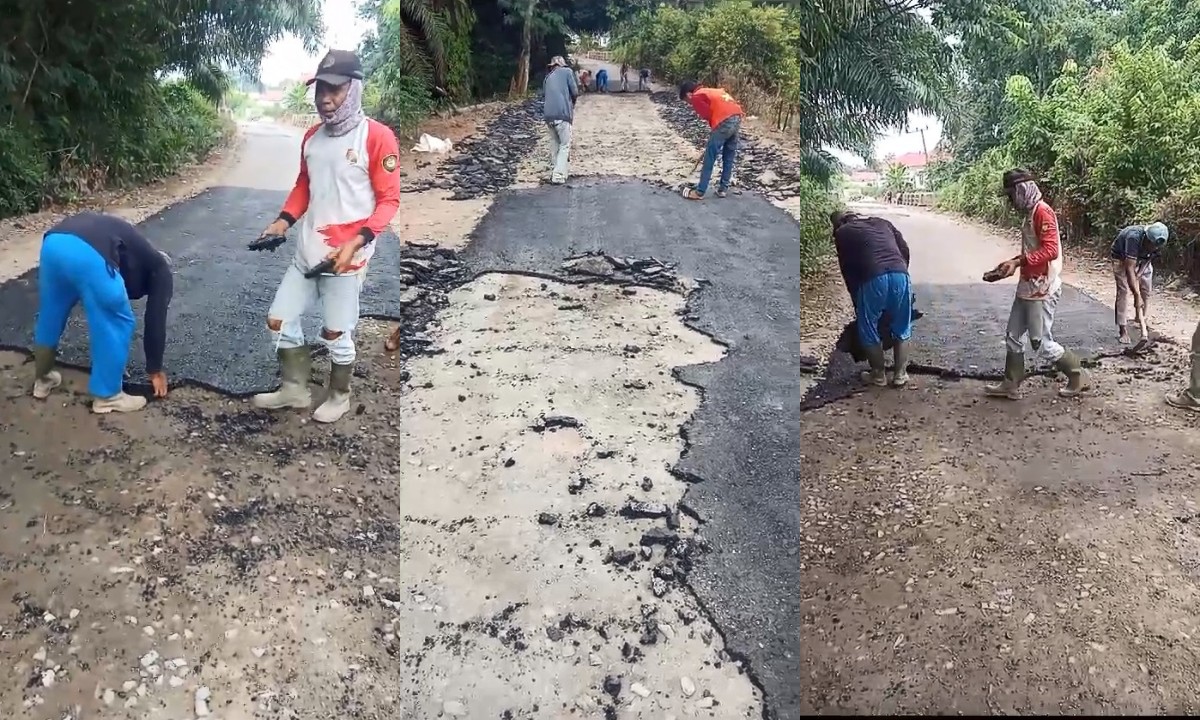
x: 216, y: 326
x: 742, y: 449
x: 962, y: 336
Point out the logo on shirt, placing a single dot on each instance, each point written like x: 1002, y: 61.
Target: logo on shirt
x: 389, y: 163
x: 351, y: 156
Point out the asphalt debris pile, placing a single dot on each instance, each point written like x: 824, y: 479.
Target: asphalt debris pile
x: 597, y: 266
x: 427, y: 274
x: 760, y: 167
x: 487, y: 163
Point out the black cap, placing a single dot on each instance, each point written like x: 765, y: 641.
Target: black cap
x: 338, y: 67
x: 1015, y: 177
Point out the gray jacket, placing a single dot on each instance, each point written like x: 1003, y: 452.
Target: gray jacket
x: 560, y: 90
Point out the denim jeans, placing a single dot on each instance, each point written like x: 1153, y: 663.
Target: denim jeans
x: 338, y: 295
x: 560, y: 149
x: 722, y: 142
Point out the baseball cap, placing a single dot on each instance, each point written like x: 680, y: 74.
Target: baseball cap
x: 558, y: 61
x: 338, y: 67
x: 1157, y: 232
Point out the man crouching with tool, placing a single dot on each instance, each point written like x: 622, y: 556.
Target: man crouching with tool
x: 346, y: 193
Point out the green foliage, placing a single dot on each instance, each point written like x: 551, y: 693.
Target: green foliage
x: 297, y: 100
x: 896, y: 179
x: 816, y: 242
x: 1112, y: 146
x: 82, y: 103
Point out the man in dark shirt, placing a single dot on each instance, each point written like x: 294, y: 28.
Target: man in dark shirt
x: 103, y: 262
x: 1133, y: 254
x: 873, y: 258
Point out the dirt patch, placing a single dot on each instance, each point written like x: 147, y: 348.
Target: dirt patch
x: 452, y: 529
x: 647, y: 148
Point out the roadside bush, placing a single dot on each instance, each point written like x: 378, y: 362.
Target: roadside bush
x: 1112, y: 145
x: 751, y: 49
x: 25, y: 170
x: 816, y: 240
x: 163, y: 128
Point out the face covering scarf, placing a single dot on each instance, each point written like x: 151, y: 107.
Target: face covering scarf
x: 349, y: 114
x: 1026, y: 196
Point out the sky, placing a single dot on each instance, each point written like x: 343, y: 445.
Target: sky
x: 287, y: 60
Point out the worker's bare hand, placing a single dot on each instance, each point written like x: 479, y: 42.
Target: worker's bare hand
x: 343, y: 257
x: 158, y: 381
x: 278, y: 227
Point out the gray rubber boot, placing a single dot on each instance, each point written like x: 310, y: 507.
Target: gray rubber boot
x: 1078, y: 380
x: 295, y: 365
x: 877, y: 375
x: 1014, y: 375
x: 45, y: 377
x: 900, y: 357
x: 337, y: 402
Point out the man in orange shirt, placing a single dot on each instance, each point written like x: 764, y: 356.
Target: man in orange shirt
x: 724, y: 117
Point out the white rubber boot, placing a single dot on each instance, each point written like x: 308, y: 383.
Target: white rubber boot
x: 295, y: 365
x: 337, y: 402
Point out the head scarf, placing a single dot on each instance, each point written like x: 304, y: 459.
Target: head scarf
x: 349, y: 114
x: 1026, y: 195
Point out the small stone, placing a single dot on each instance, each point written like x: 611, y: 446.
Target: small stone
x: 704, y: 702
x: 594, y: 660
x: 74, y: 613
x: 509, y: 463
x: 1030, y: 618
x: 255, y: 540
x: 647, y: 484
x: 622, y: 557
x: 595, y: 510
x: 687, y: 686
x: 489, y: 297
x: 645, y: 510
x: 368, y: 591
x: 149, y: 630
x: 658, y: 586
x: 547, y: 518
x: 201, y: 701
x: 659, y: 536
x: 454, y: 708
x: 575, y: 485
x: 554, y: 632
x: 40, y: 655
x: 612, y: 685
x: 176, y: 681
x: 109, y: 697
x: 640, y: 690
x: 258, y: 652
x: 48, y: 678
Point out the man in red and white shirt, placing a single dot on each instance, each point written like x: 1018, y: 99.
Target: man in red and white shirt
x: 347, y: 192
x: 1038, y: 292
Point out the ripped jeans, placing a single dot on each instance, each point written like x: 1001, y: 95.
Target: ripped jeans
x: 338, y: 295
x: 1034, y: 319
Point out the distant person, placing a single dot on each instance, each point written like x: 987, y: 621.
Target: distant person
x: 346, y: 194
x: 558, y: 112
x: 585, y: 80
x: 602, y: 80
x: 1038, y: 291
x: 724, y: 117
x: 103, y: 262
x: 1133, y: 254
x: 644, y: 79
x: 874, y: 258
x: 624, y: 78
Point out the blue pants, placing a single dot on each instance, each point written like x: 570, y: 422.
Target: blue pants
x: 889, y: 293
x: 71, y: 271
x: 722, y: 143
x: 601, y: 83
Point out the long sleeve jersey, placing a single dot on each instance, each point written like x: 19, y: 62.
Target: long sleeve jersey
x: 868, y: 247
x: 348, y: 186
x: 145, y: 270
x: 1041, y: 250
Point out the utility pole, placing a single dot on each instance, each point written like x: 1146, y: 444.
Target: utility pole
x: 924, y: 149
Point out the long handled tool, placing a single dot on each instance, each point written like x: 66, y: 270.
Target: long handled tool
x: 1143, y: 344
x: 683, y: 189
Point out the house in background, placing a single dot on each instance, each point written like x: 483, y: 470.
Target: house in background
x: 915, y: 164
